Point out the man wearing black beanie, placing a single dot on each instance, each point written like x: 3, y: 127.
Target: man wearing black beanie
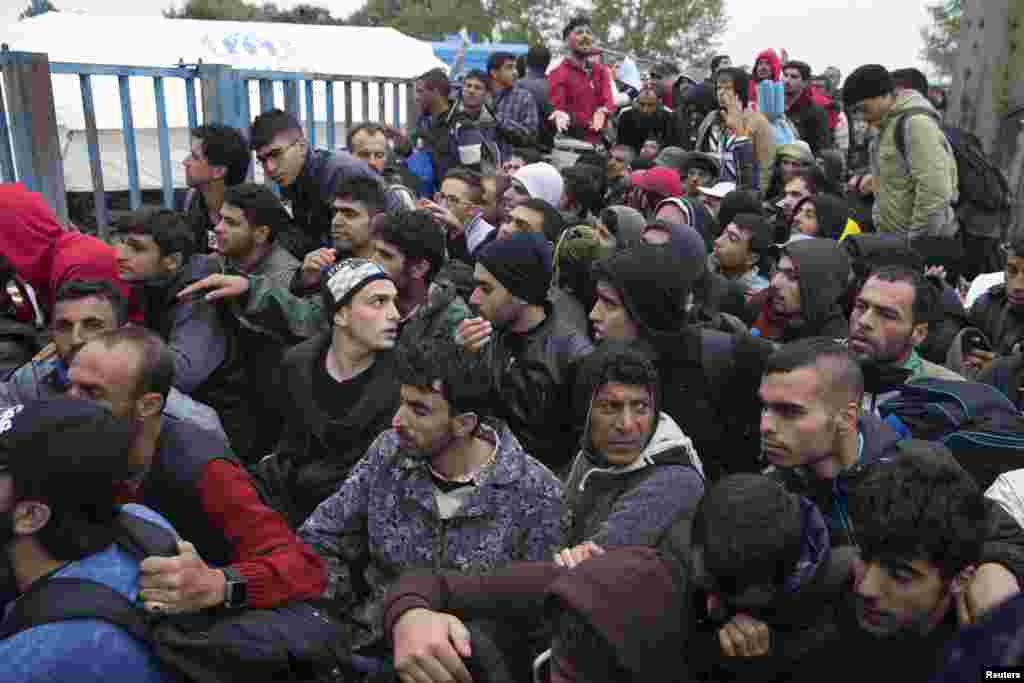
x: 916, y: 186
x: 531, y: 351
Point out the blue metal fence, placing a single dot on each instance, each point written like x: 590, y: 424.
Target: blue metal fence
x: 227, y: 96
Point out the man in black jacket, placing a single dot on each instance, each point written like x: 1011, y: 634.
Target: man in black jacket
x: 708, y: 378
x: 532, y: 352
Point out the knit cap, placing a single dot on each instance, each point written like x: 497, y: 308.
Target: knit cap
x: 342, y: 280
x: 522, y: 264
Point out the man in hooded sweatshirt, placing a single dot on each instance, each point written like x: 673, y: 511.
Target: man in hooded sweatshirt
x: 810, y: 119
x: 708, y: 378
x: 915, y: 189
x: 636, y: 471
x: 826, y: 216
x: 804, y: 299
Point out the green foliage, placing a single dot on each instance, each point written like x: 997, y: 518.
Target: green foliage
x: 940, y: 39
x: 37, y: 7
x: 239, y: 10
x: 685, y: 32
x: 518, y: 21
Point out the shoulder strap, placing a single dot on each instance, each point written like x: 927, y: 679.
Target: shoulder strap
x: 901, y: 127
x: 63, y: 599
x: 142, y: 538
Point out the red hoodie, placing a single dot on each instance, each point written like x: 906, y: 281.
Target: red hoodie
x: 46, y: 255
x: 773, y: 59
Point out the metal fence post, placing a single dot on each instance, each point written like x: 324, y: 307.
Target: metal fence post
x: 34, y: 126
x: 220, y: 95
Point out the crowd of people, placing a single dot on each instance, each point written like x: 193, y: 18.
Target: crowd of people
x: 505, y: 416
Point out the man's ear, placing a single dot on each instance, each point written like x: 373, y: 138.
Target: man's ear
x: 341, y: 317
x: 172, y: 262
x: 465, y: 424
x: 30, y: 516
x: 918, y: 334
x: 261, y: 234
x: 149, y: 404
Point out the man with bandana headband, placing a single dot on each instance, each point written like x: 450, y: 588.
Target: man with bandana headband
x: 447, y: 487
x: 580, y: 91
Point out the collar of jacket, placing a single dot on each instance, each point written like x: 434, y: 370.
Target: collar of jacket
x: 507, y: 468
x: 299, y: 368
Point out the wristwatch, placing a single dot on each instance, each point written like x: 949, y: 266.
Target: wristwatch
x: 236, y: 589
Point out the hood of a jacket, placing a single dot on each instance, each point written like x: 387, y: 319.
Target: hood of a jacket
x: 833, y: 214
x: 824, y: 268
x: 630, y: 227
x: 28, y: 234
x: 773, y: 58
x: 879, y: 438
x: 654, y: 287
x: 908, y: 99
x: 634, y: 598
x: 667, y: 436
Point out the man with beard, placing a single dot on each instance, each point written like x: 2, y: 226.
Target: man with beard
x: 60, y: 464
x: 219, y: 158
x: 251, y: 219
x: 235, y: 551
x: 999, y: 313
x: 646, y: 120
x: 473, y: 500
x: 806, y: 293
x: 83, y: 310
x: 820, y: 445
x: 356, y: 202
x: 743, y: 252
x: 580, y: 91
x: 810, y: 119
x: 890, y: 318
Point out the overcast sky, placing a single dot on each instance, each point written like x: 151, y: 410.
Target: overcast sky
x: 844, y: 33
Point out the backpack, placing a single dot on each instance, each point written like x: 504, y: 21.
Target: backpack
x: 984, y: 193
x: 982, y: 428
x: 297, y: 642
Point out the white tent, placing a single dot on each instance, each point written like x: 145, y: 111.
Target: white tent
x: 159, y: 42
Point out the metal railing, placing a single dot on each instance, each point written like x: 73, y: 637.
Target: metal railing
x: 30, y: 146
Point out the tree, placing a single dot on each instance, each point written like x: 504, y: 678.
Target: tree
x: 679, y: 31
x: 37, y: 7
x: 239, y: 10
x: 426, y: 19
x: 940, y: 39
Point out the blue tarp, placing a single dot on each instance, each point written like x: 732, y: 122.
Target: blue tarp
x: 475, y: 55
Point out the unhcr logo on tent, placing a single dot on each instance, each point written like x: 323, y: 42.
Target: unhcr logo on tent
x: 236, y: 47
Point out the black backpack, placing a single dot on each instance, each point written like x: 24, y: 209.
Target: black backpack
x: 983, y: 189
x: 979, y: 425
x: 296, y: 642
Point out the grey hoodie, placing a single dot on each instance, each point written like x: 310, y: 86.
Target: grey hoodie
x: 634, y: 504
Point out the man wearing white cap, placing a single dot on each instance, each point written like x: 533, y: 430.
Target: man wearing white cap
x: 714, y: 195
x: 540, y: 180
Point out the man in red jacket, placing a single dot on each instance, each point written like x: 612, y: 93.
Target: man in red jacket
x: 580, y: 90
x: 235, y: 551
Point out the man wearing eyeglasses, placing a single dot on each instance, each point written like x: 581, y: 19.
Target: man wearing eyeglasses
x: 307, y: 176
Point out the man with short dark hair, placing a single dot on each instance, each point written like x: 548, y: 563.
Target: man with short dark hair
x: 459, y: 208
x: 743, y: 252
x: 810, y: 119
x: 820, y: 445
x: 371, y: 142
x: 891, y: 316
x: 251, y: 219
x: 307, y: 176
x: 618, y: 168
x: 697, y: 102
x: 83, y: 310
x: 580, y: 90
x: 515, y: 109
x: 538, y: 57
x: 914, y: 189
x: 60, y: 464
x: 533, y: 215
x: 219, y: 158
x: 646, y: 119
x: 472, y: 498
x: 235, y: 551
x: 529, y: 348
x: 999, y: 313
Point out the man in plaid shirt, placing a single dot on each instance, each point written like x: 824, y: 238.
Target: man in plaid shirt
x: 514, y: 107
